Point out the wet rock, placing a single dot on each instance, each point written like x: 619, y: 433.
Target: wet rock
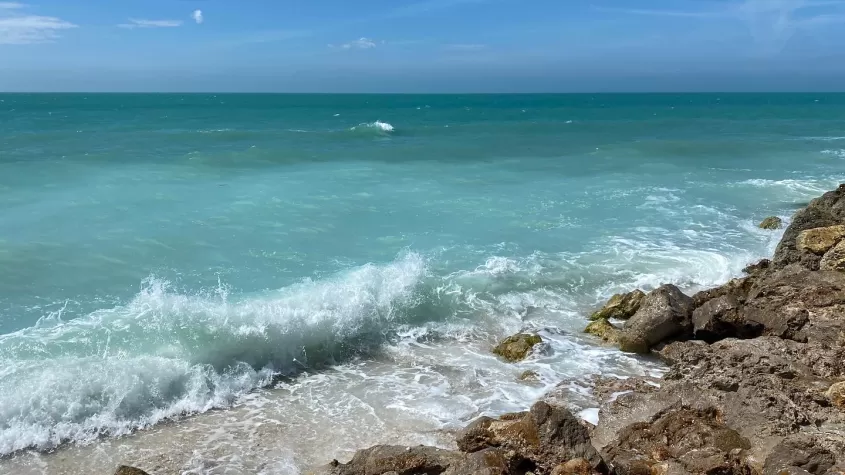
x: 529, y: 375
x: 383, y: 459
x: 621, y: 306
x: 694, y: 441
x: 757, y: 267
x: 544, y: 437
x: 772, y: 222
x: 828, y: 210
x: 665, y: 313
x: 517, y: 347
x: 834, y: 259
x: 604, y: 330
x: 836, y: 394
x: 126, y: 470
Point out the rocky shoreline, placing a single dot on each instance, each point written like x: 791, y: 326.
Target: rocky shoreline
x: 756, y: 381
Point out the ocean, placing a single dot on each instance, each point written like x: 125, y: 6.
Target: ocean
x: 210, y: 284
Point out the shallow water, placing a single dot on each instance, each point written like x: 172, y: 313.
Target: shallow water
x: 170, y: 255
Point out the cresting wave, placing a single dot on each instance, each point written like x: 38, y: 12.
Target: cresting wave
x: 166, y: 354
x: 377, y: 126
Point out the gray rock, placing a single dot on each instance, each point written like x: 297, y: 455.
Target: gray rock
x: 800, y: 452
x: 828, y: 210
x: 665, y: 313
x: 126, y: 470
x: 383, y: 459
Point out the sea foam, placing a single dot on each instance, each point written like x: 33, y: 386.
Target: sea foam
x: 165, y: 354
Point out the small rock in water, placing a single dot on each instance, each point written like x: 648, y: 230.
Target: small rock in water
x: 604, y: 330
x: 772, y: 222
x: 517, y: 347
x: 126, y: 470
x: 529, y: 375
x: 621, y: 306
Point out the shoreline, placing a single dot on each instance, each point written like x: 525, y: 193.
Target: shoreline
x: 756, y: 382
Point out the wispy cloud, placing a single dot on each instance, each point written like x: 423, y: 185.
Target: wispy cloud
x: 136, y: 23
x: 771, y: 23
x: 21, y: 29
x: 197, y: 16
x: 360, y: 43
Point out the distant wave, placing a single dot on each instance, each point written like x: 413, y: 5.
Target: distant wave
x: 836, y: 153
x: 377, y: 126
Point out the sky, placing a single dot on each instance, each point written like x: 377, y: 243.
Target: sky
x: 422, y: 45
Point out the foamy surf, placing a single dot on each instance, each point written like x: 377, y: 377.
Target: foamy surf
x: 166, y: 354
x: 377, y: 126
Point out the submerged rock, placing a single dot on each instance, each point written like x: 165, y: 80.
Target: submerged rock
x: 529, y: 375
x: 126, y: 470
x: 772, y: 222
x: 517, y: 347
x: 820, y: 240
x: 620, y: 306
x: 665, y: 313
x: 604, y: 330
x: 834, y: 259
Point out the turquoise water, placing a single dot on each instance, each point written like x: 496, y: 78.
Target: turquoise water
x: 167, y: 254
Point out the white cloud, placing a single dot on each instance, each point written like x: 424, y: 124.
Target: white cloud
x: 197, y: 16
x: 360, y: 43
x: 135, y: 23
x: 20, y: 29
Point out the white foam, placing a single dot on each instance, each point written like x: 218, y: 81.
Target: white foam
x: 165, y: 354
x: 836, y: 153
x: 377, y: 125
x: 590, y: 415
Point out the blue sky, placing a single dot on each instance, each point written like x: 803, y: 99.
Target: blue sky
x: 422, y: 45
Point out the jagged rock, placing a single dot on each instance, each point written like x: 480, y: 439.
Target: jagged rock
x: 485, y: 462
x: 772, y: 222
x: 545, y: 437
x: 695, y: 441
x: 799, y: 452
x: 720, y: 318
x: 604, y: 330
x: 126, y: 470
x: 665, y: 313
x: 836, y: 394
x: 620, y: 306
x: 517, y: 347
x: 834, y: 259
x: 820, y: 240
x: 574, y: 467
x: 757, y: 267
x: 765, y: 388
x: 382, y: 459
x: 827, y: 210
x: 799, y: 304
